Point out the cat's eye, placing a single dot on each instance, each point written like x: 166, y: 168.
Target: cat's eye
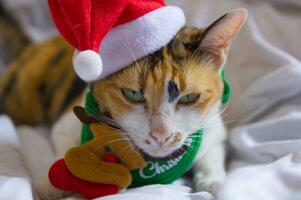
x: 132, y: 95
x: 189, y: 98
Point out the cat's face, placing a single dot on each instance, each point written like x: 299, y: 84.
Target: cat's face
x: 163, y: 98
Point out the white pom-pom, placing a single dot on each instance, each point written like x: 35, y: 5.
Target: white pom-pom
x: 87, y: 65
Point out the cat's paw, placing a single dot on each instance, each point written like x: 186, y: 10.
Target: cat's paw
x: 211, y: 184
x: 47, y: 192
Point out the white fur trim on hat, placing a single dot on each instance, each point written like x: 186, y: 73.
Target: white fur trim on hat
x: 87, y: 65
x: 138, y: 38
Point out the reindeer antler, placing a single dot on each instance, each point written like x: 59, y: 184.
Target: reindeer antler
x: 87, y: 119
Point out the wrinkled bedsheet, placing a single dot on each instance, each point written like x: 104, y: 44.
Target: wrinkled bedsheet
x: 263, y: 118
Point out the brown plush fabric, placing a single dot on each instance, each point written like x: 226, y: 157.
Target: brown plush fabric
x: 86, y: 162
x: 87, y: 166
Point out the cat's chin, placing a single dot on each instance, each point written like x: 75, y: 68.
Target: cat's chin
x: 164, y: 154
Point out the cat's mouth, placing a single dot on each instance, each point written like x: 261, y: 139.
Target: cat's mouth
x: 174, y: 154
x: 178, y: 152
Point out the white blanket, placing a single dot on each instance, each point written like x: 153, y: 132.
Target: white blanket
x: 264, y: 116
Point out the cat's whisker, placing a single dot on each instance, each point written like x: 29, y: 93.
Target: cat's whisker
x: 206, y: 126
x: 125, y: 150
x: 230, y: 121
x: 131, y: 130
x: 132, y: 133
x: 93, y: 109
x: 128, y: 150
x: 193, y: 148
x: 102, y: 145
x: 127, y: 45
x: 108, y: 135
x: 106, y: 120
x: 185, y: 150
x: 116, y: 124
x: 136, y: 60
x: 193, y: 136
x: 125, y: 133
x: 111, y: 141
x: 205, y: 123
x: 196, y: 126
x: 115, y: 134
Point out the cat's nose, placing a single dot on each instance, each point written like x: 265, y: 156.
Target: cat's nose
x: 161, y: 138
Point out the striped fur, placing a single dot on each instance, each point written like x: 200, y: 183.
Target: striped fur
x: 40, y: 84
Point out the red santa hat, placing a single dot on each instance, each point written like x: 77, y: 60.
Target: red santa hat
x: 111, y: 34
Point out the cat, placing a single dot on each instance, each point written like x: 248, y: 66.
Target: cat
x: 164, y: 97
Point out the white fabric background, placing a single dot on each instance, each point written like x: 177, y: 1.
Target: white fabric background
x: 264, y: 114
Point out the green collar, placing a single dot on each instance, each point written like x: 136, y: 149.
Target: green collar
x: 227, y: 88
x: 157, y: 171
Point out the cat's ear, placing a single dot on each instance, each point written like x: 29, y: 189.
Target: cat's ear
x: 217, y: 38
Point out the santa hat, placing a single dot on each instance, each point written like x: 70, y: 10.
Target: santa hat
x: 111, y: 34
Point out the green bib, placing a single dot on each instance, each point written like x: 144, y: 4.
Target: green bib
x: 157, y: 171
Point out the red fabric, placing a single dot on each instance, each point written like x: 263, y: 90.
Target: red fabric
x: 61, y: 178
x: 162, y: 2
x: 110, y: 158
x: 136, y: 9
x: 61, y: 24
x: 84, y: 23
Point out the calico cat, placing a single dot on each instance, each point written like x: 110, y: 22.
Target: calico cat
x: 162, y: 98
